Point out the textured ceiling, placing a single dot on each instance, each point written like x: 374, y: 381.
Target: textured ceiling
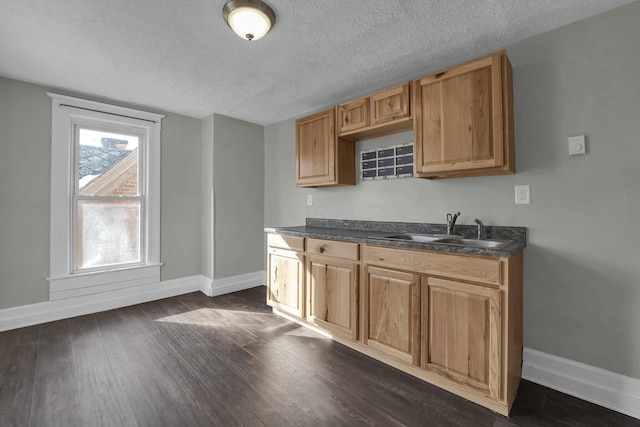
x: 181, y: 57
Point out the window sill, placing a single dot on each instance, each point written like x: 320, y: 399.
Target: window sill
x: 96, y: 282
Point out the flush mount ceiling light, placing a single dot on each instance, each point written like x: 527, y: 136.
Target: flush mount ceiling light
x: 250, y: 19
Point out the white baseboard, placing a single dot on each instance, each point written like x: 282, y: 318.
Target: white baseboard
x: 205, y: 285
x: 614, y: 391
x: 48, y: 311
x: 227, y: 285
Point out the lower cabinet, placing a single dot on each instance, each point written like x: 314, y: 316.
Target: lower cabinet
x: 332, y: 295
x: 285, y: 287
x: 461, y: 339
x: 392, y: 319
x: 452, y: 320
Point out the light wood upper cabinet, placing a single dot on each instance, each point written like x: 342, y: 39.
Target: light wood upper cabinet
x: 382, y: 113
x: 463, y: 120
x: 285, y: 285
x: 323, y: 159
x: 354, y: 115
x: 391, y: 313
x: 461, y: 339
x: 390, y: 104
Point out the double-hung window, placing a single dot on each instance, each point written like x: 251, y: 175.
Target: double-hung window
x: 105, y: 194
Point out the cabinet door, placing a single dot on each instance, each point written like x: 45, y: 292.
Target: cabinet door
x: 461, y: 332
x: 353, y: 115
x: 459, y: 121
x: 392, y: 305
x: 315, y: 148
x: 390, y: 104
x: 332, y: 289
x: 323, y: 159
x: 285, y: 287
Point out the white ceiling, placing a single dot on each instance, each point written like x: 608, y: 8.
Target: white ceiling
x: 180, y: 56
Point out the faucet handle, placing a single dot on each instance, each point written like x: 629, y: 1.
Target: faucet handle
x: 451, y: 222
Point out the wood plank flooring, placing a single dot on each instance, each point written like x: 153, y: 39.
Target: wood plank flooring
x: 228, y: 361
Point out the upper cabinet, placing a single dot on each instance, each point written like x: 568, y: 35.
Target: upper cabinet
x: 391, y: 104
x: 323, y: 159
x: 463, y: 120
x: 382, y: 113
x: 354, y: 115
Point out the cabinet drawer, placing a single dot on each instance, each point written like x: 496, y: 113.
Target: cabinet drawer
x: 294, y: 243
x: 333, y: 248
x: 484, y: 270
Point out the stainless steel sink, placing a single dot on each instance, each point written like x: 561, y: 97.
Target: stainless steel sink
x: 422, y: 238
x: 493, y: 244
x: 449, y: 240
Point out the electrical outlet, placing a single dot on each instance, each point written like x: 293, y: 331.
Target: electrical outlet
x: 523, y: 194
x: 309, y: 199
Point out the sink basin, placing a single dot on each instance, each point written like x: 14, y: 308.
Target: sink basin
x: 493, y: 244
x: 449, y: 240
x: 422, y: 238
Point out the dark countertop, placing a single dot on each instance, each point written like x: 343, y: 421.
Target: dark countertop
x: 372, y: 232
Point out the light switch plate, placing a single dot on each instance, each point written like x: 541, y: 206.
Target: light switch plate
x: 309, y: 199
x: 523, y: 194
x: 576, y: 145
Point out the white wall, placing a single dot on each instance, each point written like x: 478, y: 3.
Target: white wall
x: 582, y: 263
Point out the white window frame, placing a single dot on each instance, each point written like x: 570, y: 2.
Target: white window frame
x: 66, y: 281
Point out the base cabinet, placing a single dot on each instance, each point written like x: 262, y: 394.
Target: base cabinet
x: 461, y: 332
x: 332, y: 295
x: 285, y: 287
x: 453, y: 320
x: 392, y: 313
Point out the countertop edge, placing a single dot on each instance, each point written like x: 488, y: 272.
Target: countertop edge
x: 374, y: 238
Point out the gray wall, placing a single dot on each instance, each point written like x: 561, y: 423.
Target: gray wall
x: 181, y: 204
x: 206, y: 188
x: 25, y: 192
x: 582, y: 293
x: 25, y: 176
x: 238, y: 180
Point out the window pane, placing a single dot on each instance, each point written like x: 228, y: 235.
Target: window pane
x: 108, y: 233
x: 107, y: 163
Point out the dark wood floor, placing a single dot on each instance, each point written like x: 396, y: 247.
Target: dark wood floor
x: 226, y: 361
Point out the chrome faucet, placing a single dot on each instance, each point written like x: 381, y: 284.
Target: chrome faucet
x: 480, y: 228
x: 451, y: 222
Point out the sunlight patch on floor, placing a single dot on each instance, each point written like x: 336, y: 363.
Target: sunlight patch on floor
x: 208, y: 316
